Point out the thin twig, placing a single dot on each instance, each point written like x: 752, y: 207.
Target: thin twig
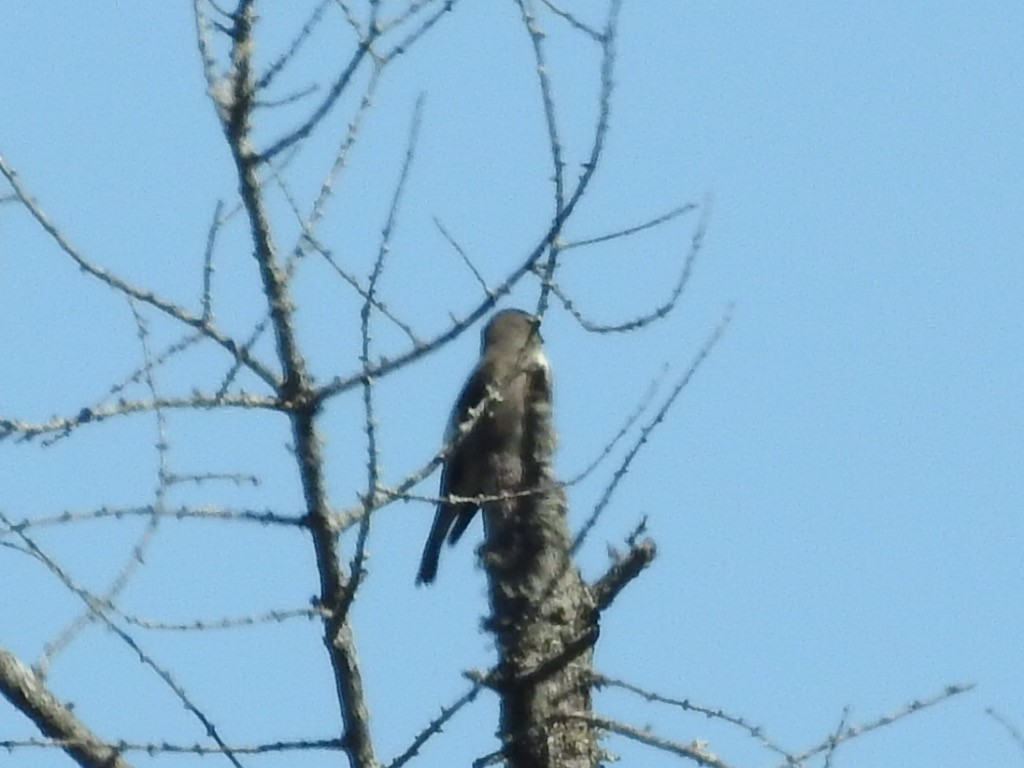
x: 1011, y: 729
x: 27, y: 430
x: 834, y: 740
x: 156, y: 748
x: 650, y: 224
x: 90, y: 600
x: 548, y: 100
x: 136, y: 557
x: 641, y: 408
x: 117, y: 284
x: 463, y: 255
x: 645, y: 433
x: 211, y: 242
x: 417, y: 34
x: 357, y: 569
x: 263, y: 517
x: 225, y: 622
x: 695, y: 750
x: 662, y: 310
x: 853, y: 731
x: 547, y: 272
x: 316, y: 117
x: 579, y: 25
x: 715, y: 713
x: 435, y: 725
x: 340, y: 159
x: 282, y: 61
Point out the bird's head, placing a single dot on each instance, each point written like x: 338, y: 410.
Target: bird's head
x: 511, y: 328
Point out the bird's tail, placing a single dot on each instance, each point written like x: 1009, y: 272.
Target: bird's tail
x: 432, y: 549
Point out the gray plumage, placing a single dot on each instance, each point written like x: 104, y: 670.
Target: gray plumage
x: 511, y: 356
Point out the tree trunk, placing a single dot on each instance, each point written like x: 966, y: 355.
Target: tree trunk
x: 543, y: 615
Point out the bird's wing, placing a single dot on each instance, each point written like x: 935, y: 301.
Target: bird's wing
x: 458, y: 475
x: 456, y: 478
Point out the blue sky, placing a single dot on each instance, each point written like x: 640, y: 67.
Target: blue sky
x: 836, y: 497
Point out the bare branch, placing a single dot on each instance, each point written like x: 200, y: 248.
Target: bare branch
x: 356, y: 568
x: 200, y: 478
x: 434, y: 726
x: 296, y: 44
x: 263, y: 517
x: 292, y: 98
x: 183, y: 344
x: 145, y: 658
x: 695, y: 750
x: 353, y: 281
x: 462, y: 253
x: 63, y: 425
x: 649, y: 224
x: 318, y: 114
x: 350, y: 17
x: 548, y: 100
x: 547, y: 274
x: 146, y: 297
x: 413, y: 37
x: 133, y: 561
x: 659, y: 312
x: 623, y: 571
x: 853, y: 731
x: 298, y: 393
x: 153, y: 748
x: 211, y: 242
x: 209, y: 62
x: 277, y: 616
x: 755, y: 731
x: 308, y: 239
x: 340, y: 161
x: 29, y: 695
x: 584, y: 28
x: 834, y: 740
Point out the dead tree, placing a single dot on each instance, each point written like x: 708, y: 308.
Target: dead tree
x: 544, y: 617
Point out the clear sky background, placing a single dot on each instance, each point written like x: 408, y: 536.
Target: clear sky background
x: 837, y: 497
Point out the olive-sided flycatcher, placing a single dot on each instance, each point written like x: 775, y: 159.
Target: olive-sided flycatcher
x: 505, y: 380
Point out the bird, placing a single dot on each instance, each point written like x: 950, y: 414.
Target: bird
x: 512, y: 370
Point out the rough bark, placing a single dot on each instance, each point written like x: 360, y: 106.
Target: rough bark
x: 543, y: 615
x: 28, y: 694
